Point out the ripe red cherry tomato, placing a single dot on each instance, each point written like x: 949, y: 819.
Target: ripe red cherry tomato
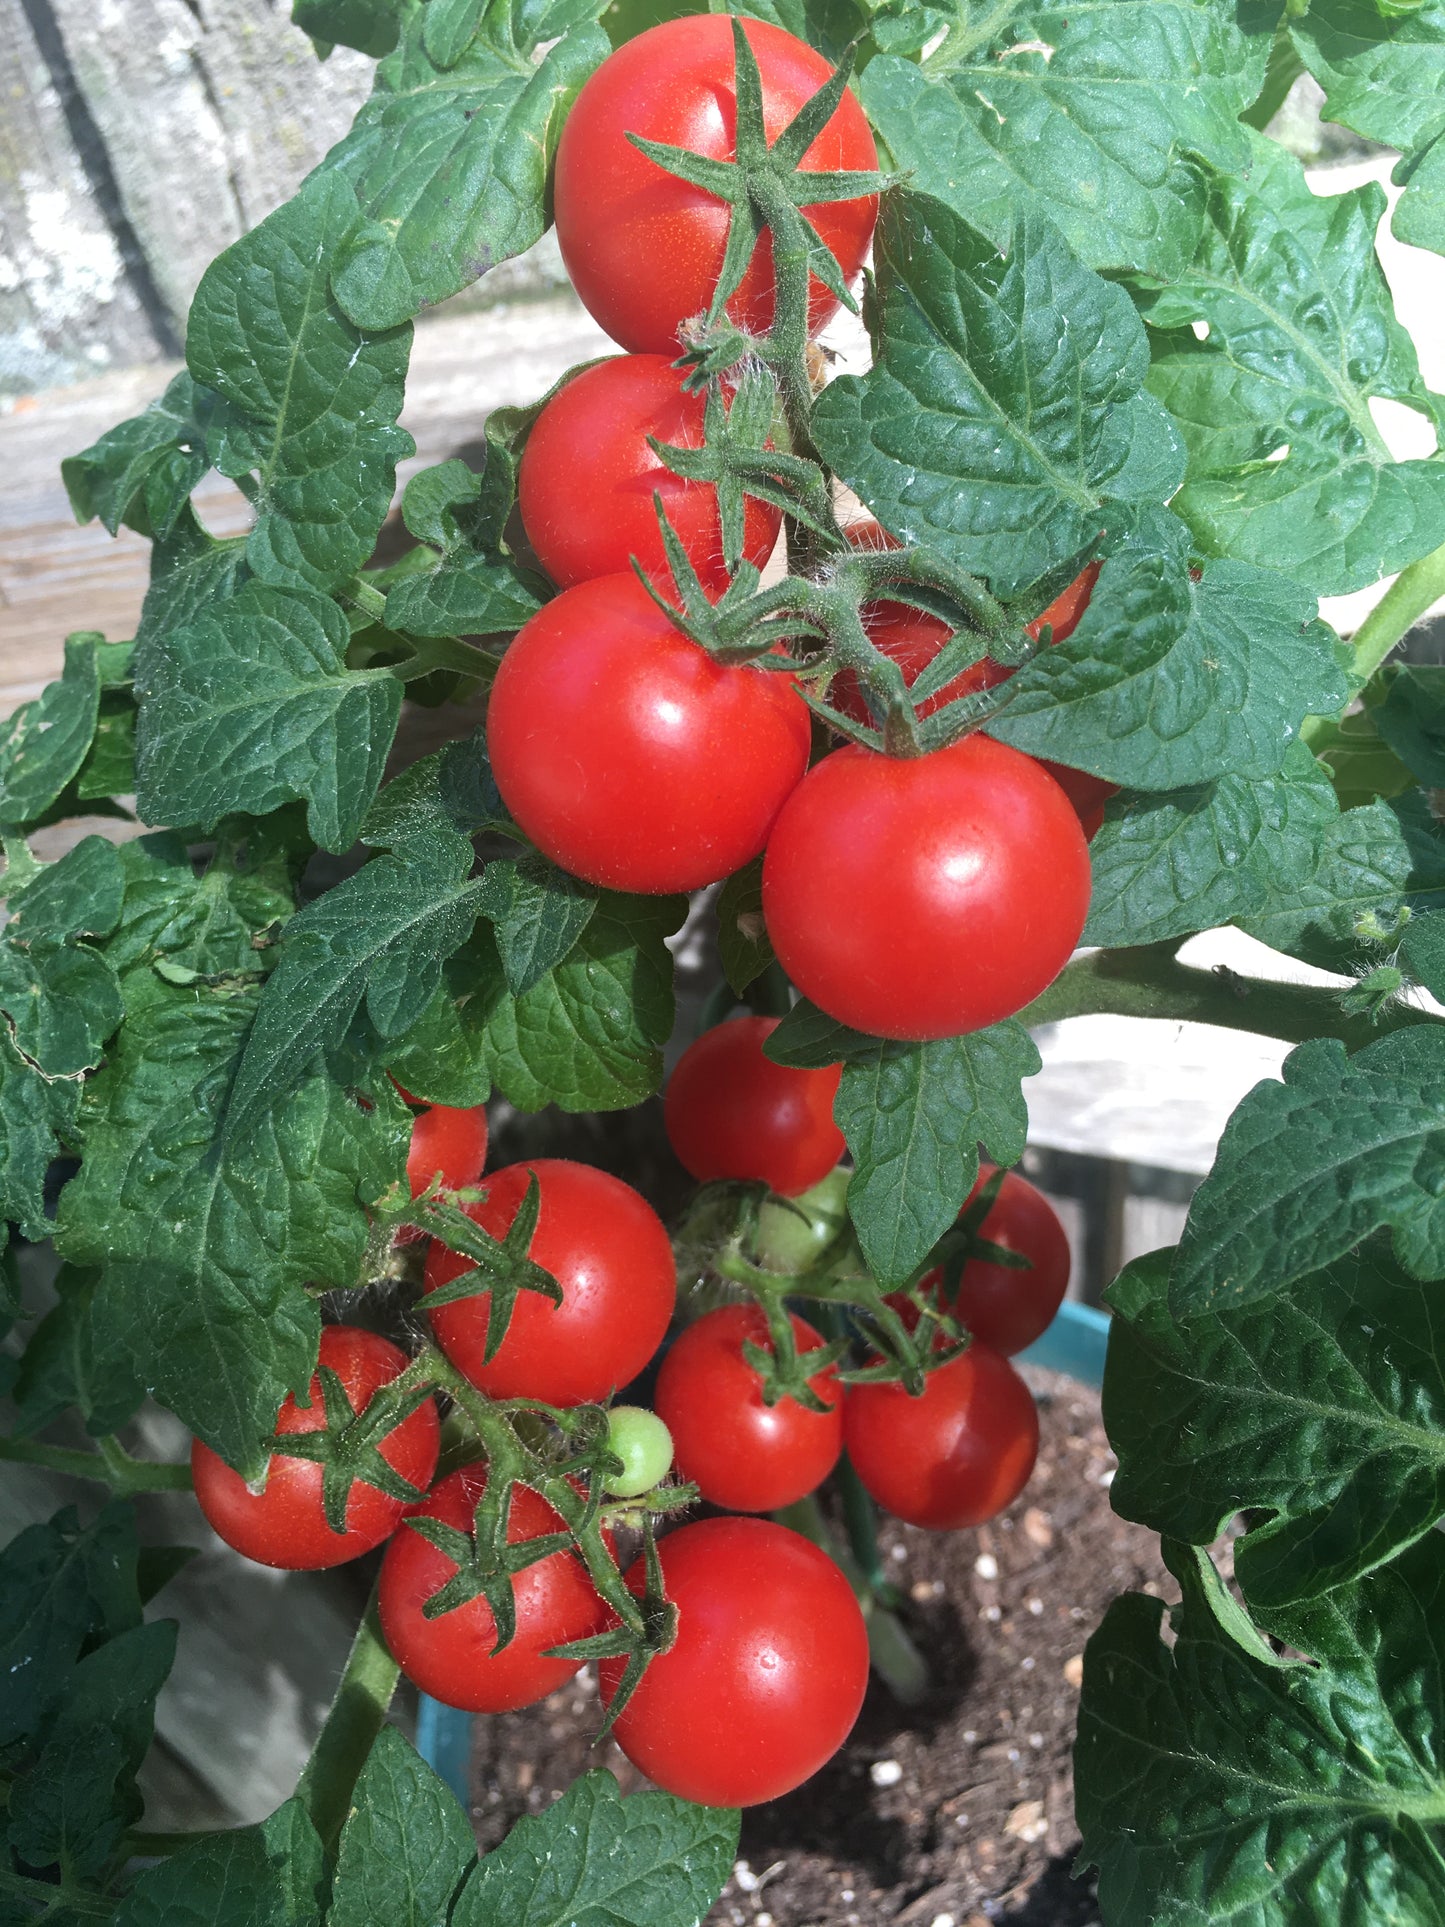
x: 588, y: 477
x: 730, y: 1112
x: 927, y: 896
x: 1088, y: 794
x: 628, y: 755
x: 738, y: 1451
x: 1009, y: 1309
x: 644, y: 249
x: 912, y: 639
x: 767, y: 1673
x: 451, y: 1656
x: 284, y: 1523
x: 449, y: 1144
x: 607, y: 1249
x: 954, y: 1456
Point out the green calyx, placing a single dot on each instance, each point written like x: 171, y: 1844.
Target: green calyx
x: 348, y: 1446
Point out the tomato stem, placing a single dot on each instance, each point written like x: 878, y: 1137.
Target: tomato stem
x: 1151, y: 982
x: 357, y: 1715
x: 109, y: 1464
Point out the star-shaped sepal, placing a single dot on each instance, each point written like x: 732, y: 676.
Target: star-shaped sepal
x: 348, y: 1446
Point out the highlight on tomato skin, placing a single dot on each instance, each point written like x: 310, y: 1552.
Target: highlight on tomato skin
x: 739, y: 1451
x: 284, y: 1523
x: 608, y: 1250
x: 954, y: 1456
x: 452, y: 1656
x: 588, y: 478
x: 768, y: 1672
x: 629, y: 755
x: 643, y: 248
x: 925, y: 897
x: 731, y: 1112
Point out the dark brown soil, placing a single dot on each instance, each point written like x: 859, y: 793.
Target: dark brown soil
x: 950, y: 1814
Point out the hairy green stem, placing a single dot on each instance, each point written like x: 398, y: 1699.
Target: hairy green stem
x: 357, y: 1715
x: 107, y: 1465
x: 1399, y: 608
x: 1151, y: 982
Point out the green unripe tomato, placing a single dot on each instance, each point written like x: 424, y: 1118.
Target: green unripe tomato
x: 792, y: 1232
x: 644, y: 1445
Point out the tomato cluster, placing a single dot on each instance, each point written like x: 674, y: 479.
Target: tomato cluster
x: 911, y: 897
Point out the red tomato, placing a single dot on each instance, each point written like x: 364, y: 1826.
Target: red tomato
x: 449, y: 1144
x: 913, y: 639
x: 926, y: 896
x: 284, y: 1524
x: 767, y: 1674
x: 1088, y: 794
x: 1009, y: 1309
x: 588, y: 477
x: 628, y: 755
x: 954, y: 1456
x: 738, y: 1451
x: 451, y: 1656
x: 730, y: 1112
x: 607, y: 1249
x: 644, y: 249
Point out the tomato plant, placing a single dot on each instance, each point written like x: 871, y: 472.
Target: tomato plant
x: 588, y: 479
x: 1124, y: 410
x: 733, y: 1113
x: 630, y: 756
x: 746, y: 1443
x: 321, y: 1511
x: 765, y: 1676
x: 954, y: 1456
x: 608, y: 1251
x: 901, y: 895
x: 456, y: 1655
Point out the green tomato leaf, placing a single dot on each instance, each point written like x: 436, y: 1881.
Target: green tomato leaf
x: 143, y: 472
x: 59, y: 998
x: 251, y: 706
x: 1383, y: 72
x: 1424, y: 951
x: 37, y: 1120
x: 594, y: 1859
x: 63, y: 1587
x: 405, y: 1845
x: 589, y: 1035
x: 447, y: 793
x: 914, y: 1116
x: 1302, y: 335
x: 378, y: 938
x: 1411, y: 719
x: 1375, y: 865
x: 214, y: 926
x: 543, y: 915
x: 208, y: 1236
x: 1196, y: 858
x: 72, y: 1806
x: 1167, y: 680
x: 189, y: 571
x: 44, y: 743
x: 1309, y: 1166
x: 1323, y: 1407
x: 829, y: 25
x: 1003, y: 421
x: 62, y: 1366
x: 313, y: 400
x: 267, y: 1876
x: 473, y: 589
x: 371, y: 26
x: 1218, y: 1782
x: 449, y: 158
x: 744, y: 948
x: 443, y: 1056
x: 1079, y: 113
